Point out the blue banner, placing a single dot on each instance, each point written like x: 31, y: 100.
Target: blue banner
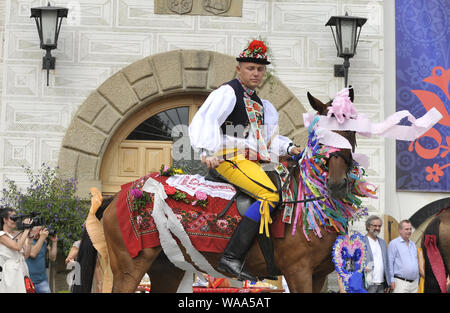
x: 422, y: 82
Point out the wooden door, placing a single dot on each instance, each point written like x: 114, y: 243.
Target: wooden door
x: 126, y: 160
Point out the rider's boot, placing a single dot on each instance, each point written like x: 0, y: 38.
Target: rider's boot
x: 266, y: 245
x: 232, y: 258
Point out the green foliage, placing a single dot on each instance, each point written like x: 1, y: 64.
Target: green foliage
x: 55, y: 199
x: 140, y: 202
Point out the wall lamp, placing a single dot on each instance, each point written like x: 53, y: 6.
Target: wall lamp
x: 48, y: 22
x: 346, y: 30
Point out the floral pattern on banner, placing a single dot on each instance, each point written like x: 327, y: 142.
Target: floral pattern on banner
x: 196, y: 219
x: 423, y: 76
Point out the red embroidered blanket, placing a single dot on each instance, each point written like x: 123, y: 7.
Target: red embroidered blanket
x: 207, y: 232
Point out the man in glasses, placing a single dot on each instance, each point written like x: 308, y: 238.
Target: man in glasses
x: 377, y: 272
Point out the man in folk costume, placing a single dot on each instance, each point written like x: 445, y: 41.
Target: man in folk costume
x: 235, y: 133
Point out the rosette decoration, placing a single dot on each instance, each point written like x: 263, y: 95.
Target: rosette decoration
x: 349, y: 258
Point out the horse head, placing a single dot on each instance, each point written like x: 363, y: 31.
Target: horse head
x: 339, y: 162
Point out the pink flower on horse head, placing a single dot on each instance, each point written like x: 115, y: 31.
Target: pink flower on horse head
x: 201, y: 195
x: 136, y: 193
x: 330, y: 150
x: 342, y: 107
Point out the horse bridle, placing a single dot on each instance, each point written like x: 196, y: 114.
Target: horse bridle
x: 347, y: 160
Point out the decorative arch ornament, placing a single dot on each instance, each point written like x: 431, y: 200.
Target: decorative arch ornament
x: 145, y: 82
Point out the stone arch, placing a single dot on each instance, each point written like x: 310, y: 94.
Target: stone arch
x: 149, y: 80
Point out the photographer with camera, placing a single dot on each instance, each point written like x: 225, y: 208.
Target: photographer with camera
x: 36, y: 261
x: 15, y: 247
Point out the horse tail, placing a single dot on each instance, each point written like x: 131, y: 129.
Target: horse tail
x: 435, y: 273
x: 87, y: 253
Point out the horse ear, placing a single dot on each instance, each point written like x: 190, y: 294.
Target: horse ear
x: 317, y: 104
x: 351, y: 93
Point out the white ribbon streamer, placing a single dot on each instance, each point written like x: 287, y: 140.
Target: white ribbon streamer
x: 167, y: 223
x: 361, y: 159
x: 332, y: 139
x: 388, y: 128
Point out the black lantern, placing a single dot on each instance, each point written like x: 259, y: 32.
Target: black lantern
x: 48, y: 22
x: 346, y: 39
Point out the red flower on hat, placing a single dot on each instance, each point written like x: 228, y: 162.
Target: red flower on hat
x: 257, y: 44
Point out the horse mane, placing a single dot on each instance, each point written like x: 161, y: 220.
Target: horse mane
x: 87, y: 255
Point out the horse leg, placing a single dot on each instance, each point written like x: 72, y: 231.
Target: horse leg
x: 127, y: 279
x: 299, y: 280
x: 318, y: 282
x: 164, y: 276
x: 127, y: 271
x: 320, y: 275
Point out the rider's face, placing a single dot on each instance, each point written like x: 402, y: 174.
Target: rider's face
x: 251, y: 74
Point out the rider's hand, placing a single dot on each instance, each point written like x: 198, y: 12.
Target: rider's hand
x: 211, y: 162
x: 296, y: 150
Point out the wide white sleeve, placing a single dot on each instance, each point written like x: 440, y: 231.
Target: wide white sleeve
x: 204, y: 131
x: 278, y: 143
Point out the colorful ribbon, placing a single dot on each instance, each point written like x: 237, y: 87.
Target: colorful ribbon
x: 329, y: 211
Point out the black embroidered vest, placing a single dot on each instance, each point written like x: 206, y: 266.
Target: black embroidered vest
x: 239, y: 114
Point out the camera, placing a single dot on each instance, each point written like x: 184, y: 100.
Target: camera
x: 37, y: 221
x: 35, y: 216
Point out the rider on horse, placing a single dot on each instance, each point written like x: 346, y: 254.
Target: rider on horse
x: 230, y: 131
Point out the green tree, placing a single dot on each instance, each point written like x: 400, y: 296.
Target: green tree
x: 54, y: 198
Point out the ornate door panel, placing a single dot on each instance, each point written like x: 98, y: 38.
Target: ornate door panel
x: 145, y: 142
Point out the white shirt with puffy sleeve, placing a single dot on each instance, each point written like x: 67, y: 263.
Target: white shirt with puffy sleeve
x: 205, y: 131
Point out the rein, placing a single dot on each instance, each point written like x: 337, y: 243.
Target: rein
x: 291, y: 176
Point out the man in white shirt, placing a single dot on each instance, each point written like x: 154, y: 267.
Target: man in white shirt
x: 235, y: 133
x: 377, y: 272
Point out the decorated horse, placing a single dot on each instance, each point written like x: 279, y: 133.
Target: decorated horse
x: 152, y: 227
x: 436, y: 250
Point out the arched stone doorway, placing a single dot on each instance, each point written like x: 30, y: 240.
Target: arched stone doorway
x: 144, y: 142
x: 146, y: 83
